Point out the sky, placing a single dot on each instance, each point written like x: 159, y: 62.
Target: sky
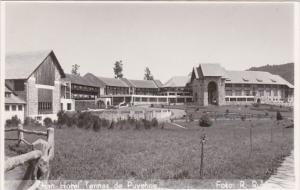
x: 169, y: 38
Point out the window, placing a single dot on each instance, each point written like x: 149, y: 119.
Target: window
x: 247, y: 92
x: 268, y: 92
x: 14, y: 107
x: 228, y: 92
x: 44, y: 106
x: 261, y: 93
x: 6, y: 107
x: 20, y: 107
x: 7, y: 94
x: 69, y: 106
x: 275, y: 92
x: 238, y: 92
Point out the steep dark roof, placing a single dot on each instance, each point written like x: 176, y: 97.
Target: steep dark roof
x: 143, y: 83
x: 75, y: 79
x: 22, y: 65
x: 13, y: 99
x: 177, y: 81
x: 113, y: 82
x: 158, y: 83
x: 92, y: 79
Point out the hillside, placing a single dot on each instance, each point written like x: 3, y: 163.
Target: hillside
x: 286, y: 71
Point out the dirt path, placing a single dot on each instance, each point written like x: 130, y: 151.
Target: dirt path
x: 284, y: 177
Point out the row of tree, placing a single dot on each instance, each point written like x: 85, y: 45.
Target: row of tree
x: 118, y: 71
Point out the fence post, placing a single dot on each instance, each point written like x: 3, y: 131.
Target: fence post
x: 251, y: 147
x: 20, y: 133
x: 271, y: 133
x: 203, y: 138
x: 50, y: 139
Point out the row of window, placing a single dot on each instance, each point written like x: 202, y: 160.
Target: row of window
x: 43, y: 106
x: 86, y: 88
x: 13, y: 107
x: 247, y: 93
x: 253, y: 85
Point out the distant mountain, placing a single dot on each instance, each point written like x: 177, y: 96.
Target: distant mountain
x: 286, y: 71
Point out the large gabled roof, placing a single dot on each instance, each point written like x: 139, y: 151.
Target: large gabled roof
x: 76, y: 79
x: 142, y: 83
x: 94, y: 80
x: 177, y: 81
x: 113, y: 82
x: 22, y: 65
x: 212, y: 69
x: 255, y: 77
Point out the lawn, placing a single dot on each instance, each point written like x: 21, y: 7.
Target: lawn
x: 172, y: 152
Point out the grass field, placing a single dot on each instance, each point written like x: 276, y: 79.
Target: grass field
x: 170, y: 153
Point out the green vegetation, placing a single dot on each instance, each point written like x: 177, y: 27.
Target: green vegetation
x: 13, y: 122
x: 284, y: 70
x: 131, y: 149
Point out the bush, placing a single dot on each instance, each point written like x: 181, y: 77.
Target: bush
x: 279, y: 116
x: 13, y: 122
x: 146, y: 123
x: 31, y: 122
x: 61, y: 118
x: 112, y: 125
x: 227, y: 111
x: 205, y: 121
x: 191, y: 118
x: 85, y: 119
x: 256, y: 105
x: 243, y: 117
x: 266, y: 113
x: 48, y: 122
x: 96, y: 123
x: 154, y: 122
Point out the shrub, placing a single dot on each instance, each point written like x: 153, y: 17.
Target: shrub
x: 246, y: 105
x: 191, y: 118
x: 48, y: 122
x: 31, y: 122
x: 96, y: 123
x: 13, y: 122
x: 227, y: 111
x: 279, y: 116
x: 266, y: 113
x: 162, y: 125
x: 112, y: 125
x: 205, y: 121
x: 85, y: 119
x: 61, y: 118
x: 243, y: 117
x: 146, y: 123
x: 154, y: 122
x: 255, y: 105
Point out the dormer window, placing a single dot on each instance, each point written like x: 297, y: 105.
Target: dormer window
x: 273, y: 80
x: 227, y: 80
x: 258, y: 80
x: 244, y: 79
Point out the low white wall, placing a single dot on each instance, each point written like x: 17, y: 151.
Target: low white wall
x: 10, y: 114
x: 65, y: 103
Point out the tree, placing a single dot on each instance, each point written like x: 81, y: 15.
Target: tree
x: 75, y: 69
x: 118, y: 69
x: 148, y: 75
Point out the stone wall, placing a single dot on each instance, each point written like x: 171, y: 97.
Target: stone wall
x: 85, y: 105
x: 32, y: 97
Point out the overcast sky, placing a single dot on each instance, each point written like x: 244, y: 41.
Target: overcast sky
x: 168, y: 38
